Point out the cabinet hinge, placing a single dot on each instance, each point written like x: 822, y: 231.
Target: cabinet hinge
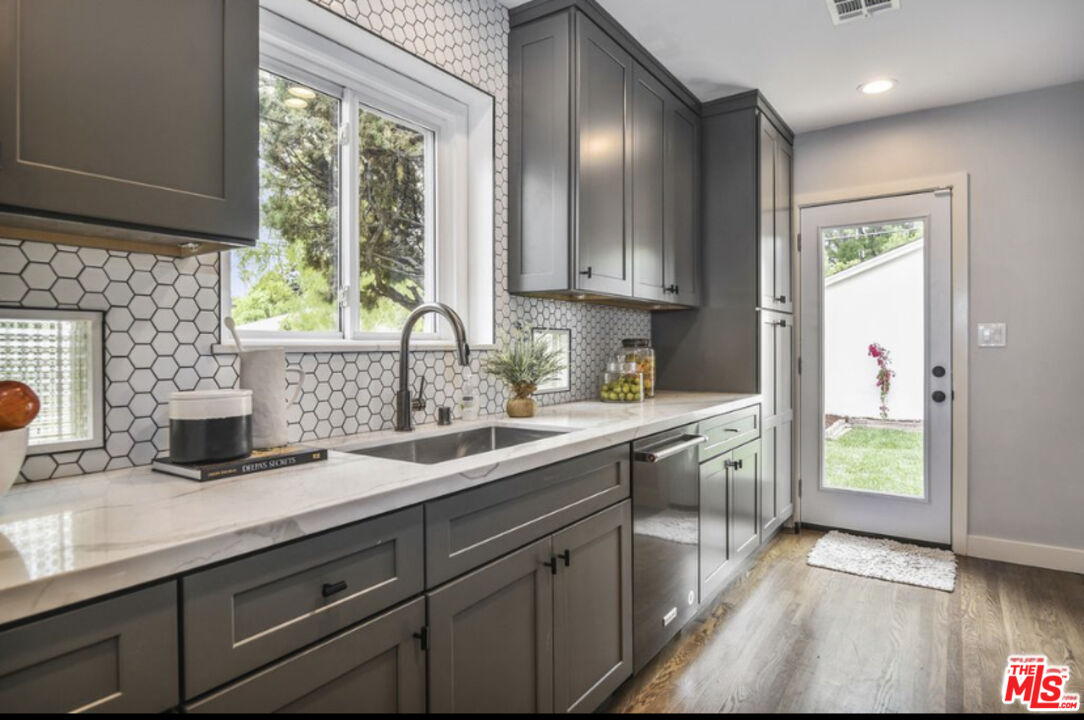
x: 799, y: 365
x: 344, y: 134
x: 799, y: 242
x: 344, y: 296
x: 799, y: 488
x: 423, y: 636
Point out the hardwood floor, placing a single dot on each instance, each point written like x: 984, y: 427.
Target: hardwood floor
x: 787, y: 637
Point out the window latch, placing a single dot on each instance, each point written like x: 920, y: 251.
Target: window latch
x: 344, y: 296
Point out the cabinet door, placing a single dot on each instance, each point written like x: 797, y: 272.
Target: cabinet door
x: 592, y: 609
x: 768, y: 324
x: 744, y: 476
x: 784, y: 367
x: 117, y: 655
x: 768, y: 492
x: 539, y: 140
x: 682, y: 203
x: 491, y: 637
x: 766, y: 209
x: 783, y: 258
x: 784, y: 478
x: 650, y: 196
x: 714, y: 538
x: 142, y: 112
x: 603, y: 177
x: 376, y: 667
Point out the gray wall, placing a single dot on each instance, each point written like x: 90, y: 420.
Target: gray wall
x: 156, y: 343
x: 1025, y: 157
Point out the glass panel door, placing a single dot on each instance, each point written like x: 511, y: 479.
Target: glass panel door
x: 874, y: 357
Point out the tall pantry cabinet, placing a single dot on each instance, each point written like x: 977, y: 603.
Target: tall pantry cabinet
x: 742, y: 337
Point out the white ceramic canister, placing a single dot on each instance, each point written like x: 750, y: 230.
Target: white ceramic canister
x: 210, y: 425
x: 13, y: 444
x: 264, y: 372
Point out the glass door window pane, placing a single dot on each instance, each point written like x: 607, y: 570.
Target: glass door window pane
x: 290, y: 280
x: 395, y: 246
x: 875, y: 357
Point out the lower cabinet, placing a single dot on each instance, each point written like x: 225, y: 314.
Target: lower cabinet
x: 744, y: 474
x: 729, y: 527
x: 546, y: 628
x: 117, y: 655
x: 776, y: 493
x: 376, y: 667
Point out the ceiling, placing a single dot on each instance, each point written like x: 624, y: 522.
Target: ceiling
x: 942, y: 52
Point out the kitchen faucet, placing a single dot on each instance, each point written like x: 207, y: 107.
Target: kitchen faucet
x: 403, y: 403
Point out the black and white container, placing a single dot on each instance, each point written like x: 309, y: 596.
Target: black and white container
x: 210, y: 425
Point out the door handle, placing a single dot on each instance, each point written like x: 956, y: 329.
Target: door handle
x: 552, y: 565
x: 567, y: 557
x: 586, y: 272
x: 938, y: 396
x: 658, y: 454
x: 732, y: 464
x: 330, y: 589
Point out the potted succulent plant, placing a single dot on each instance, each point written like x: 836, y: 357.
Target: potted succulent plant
x: 524, y: 362
x: 18, y: 408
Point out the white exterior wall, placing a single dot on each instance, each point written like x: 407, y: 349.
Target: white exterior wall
x: 880, y: 301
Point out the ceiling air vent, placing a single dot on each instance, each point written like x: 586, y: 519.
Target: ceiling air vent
x: 844, y: 11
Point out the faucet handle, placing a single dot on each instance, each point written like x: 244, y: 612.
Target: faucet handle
x: 418, y: 403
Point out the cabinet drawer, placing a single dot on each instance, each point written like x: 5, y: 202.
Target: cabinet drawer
x: 119, y: 655
x: 378, y: 666
x: 726, y: 432
x: 467, y: 530
x: 247, y: 613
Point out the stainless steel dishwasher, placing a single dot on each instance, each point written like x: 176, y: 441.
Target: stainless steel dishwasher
x: 665, y: 541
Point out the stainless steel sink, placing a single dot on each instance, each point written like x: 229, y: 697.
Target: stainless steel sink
x: 432, y: 449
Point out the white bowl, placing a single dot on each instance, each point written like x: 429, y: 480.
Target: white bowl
x: 12, y: 454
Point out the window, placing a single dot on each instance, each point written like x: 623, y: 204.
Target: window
x: 375, y: 192
x: 58, y: 354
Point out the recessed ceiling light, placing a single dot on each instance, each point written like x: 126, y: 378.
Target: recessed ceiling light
x: 296, y: 103
x: 876, y: 87
x: 301, y: 92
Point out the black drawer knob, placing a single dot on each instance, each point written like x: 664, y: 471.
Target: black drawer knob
x: 330, y: 589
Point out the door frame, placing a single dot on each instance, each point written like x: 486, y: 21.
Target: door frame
x: 958, y: 183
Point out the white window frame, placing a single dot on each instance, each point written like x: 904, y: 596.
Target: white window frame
x: 305, y: 42
x: 96, y: 380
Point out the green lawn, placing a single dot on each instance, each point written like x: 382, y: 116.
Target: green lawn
x: 876, y: 459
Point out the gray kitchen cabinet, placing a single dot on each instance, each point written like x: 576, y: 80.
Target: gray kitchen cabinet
x: 249, y: 612
x: 603, y: 157
x: 546, y: 628
x: 774, y: 205
x: 714, y: 519
x: 603, y: 171
x: 592, y: 609
x: 744, y: 476
x: 650, y: 110
x: 777, y: 363
x: 376, y: 667
x: 745, y: 258
x: 116, y: 655
x: 682, y: 207
x: 162, y: 150
x: 468, y: 529
x: 776, y: 494
x: 491, y: 637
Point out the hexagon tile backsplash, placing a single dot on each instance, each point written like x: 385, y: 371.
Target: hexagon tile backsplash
x: 162, y: 314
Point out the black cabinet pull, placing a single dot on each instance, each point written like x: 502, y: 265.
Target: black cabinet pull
x: 567, y: 557
x: 671, y: 289
x: 781, y: 298
x: 423, y: 636
x: 586, y: 272
x: 552, y: 564
x: 330, y: 589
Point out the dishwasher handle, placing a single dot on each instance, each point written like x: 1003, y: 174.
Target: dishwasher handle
x: 658, y: 454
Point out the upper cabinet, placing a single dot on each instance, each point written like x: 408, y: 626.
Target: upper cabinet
x: 604, y: 164
x: 130, y: 120
x: 774, y: 163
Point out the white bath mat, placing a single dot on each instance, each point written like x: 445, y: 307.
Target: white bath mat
x: 885, y: 560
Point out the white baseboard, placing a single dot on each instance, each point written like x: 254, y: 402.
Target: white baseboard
x: 1024, y: 553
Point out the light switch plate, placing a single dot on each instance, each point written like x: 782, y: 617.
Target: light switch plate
x: 991, y: 334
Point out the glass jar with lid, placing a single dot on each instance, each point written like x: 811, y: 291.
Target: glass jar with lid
x: 639, y: 351
x: 622, y: 382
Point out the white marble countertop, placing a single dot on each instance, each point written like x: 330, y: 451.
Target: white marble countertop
x: 65, y: 541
